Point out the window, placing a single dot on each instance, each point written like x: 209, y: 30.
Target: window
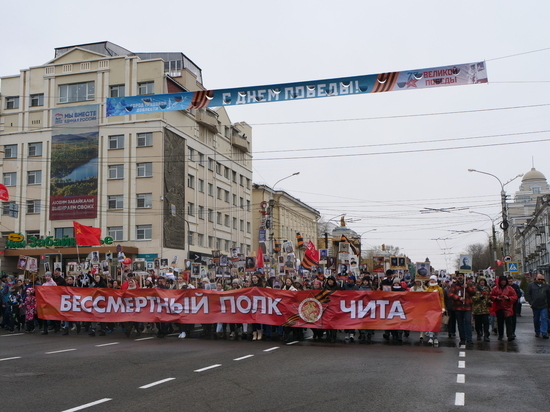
x: 117, y: 90
x: 145, y: 169
x: 146, y: 88
x: 241, y: 202
x: 191, y: 209
x: 10, y: 179
x: 219, y: 193
x: 144, y: 139
x: 218, y: 243
x: 211, y: 242
x: 34, y: 177
x: 226, y: 172
x: 33, y: 207
x: 115, y: 202
x: 191, y: 181
x: 12, y: 102
x: 536, y: 190
x: 144, y: 232
x: 10, y: 151
x: 234, y: 176
x: 10, y: 209
x: 248, y: 205
x: 30, y: 233
x: 210, y: 189
x: 144, y: 200
x: 116, y: 142
x: 219, y: 218
x: 226, y: 220
x: 210, y: 164
x: 226, y: 243
x: 234, y: 200
x: 201, y: 212
x: 115, y: 232
x: 61, y: 232
x: 241, y: 178
x: 35, y: 149
x: 77, y: 92
x: 116, y: 171
x: 247, y: 183
x: 37, y: 100
x: 200, y: 239
x: 210, y: 215
x: 235, y: 223
x: 218, y: 168
x: 242, y: 225
x: 201, y: 158
x: 191, y: 154
x: 248, y: 227
x: 201, y: 185
x: 190, y: 238
x: 226, y: 196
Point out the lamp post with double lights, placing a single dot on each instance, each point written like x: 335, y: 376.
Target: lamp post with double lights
x: 504, y: 224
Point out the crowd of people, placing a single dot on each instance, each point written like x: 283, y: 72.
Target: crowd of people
x: 487, y: 305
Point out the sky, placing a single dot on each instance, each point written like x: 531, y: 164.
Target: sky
x: 378, y: 158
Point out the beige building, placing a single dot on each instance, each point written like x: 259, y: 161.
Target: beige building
x: 278, y: 216
x: 171, y: 185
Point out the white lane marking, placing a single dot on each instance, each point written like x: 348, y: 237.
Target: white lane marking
x: 460, y: 378
x: 60, y: 351
x: 156, y: 383
x: 292, y: 343
x: 151, y: 337
x: 107, y: 344
x: 15, y: 357
x: 461, y: 364
x: 270, y: 349
x: 461, y: 354
x: 243, y: 357
x: 88, y: 405
x: 462, y: 346
x: 459, y: 399
x: 12, y: 334
x: 208, y: 367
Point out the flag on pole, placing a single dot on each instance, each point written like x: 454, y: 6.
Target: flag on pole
x: 311, y: 256
x: 353, y: 248
x: 86, y: 235
x: 260, y: 258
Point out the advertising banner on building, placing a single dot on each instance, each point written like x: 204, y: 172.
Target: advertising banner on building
x: 74, y: 162
x: 455, y: 75
x: 419, y: 311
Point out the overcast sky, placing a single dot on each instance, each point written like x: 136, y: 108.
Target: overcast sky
x: 379, y: 158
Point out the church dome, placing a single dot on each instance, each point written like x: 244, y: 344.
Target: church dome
x: 533, y: 174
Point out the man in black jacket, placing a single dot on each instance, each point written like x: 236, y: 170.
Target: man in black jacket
x: 538, y: 296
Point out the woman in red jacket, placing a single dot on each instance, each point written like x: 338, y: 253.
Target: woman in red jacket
x: 504, y: 297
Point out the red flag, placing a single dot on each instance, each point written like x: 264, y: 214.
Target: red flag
x: 311, y: 256
x: 86, y: 235
x: 260, y: 258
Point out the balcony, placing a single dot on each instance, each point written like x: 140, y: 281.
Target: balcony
x: 208, y: 119
x: 240, y: 141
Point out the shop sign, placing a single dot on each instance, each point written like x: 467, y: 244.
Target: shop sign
x: 17, y: 241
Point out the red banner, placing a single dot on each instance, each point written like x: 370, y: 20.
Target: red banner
x: 420, y: 311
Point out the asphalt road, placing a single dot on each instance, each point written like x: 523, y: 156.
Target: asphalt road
x: 116, y: 373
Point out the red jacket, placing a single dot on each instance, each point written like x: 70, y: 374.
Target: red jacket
x: 503, y: 298
x: 458, y: 291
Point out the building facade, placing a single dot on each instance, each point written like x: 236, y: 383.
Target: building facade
x: 169, y: 185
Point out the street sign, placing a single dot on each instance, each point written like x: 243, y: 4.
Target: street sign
x: 507, y: 258
x: 512, y: 267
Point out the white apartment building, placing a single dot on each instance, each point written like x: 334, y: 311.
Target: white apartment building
x: 168, y: 185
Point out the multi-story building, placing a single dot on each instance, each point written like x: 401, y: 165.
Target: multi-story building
x: 278, y: 216
x: 170, y: 185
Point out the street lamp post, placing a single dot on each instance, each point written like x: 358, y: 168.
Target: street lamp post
x: 494, y: 233
x: 504, y: 224
x: 272, y: 203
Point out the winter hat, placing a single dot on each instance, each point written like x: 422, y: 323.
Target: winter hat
x: 149, y: 279
x: 396, y: 281
x: 351, y: 277
x: 433, y: 277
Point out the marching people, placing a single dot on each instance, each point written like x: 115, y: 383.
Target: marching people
x: 481, y: 303
x: 419, y: 287
x: 56, y: 323
x: 461, y: 294
x: 516, y: 288
x: 349, y: 285
x: 538, y: 296
x: 333, y: 286
x: 433, y: 286
x: 504, y: 298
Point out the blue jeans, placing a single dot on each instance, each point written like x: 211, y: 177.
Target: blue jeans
x: 540, y: 319
x: 464, y: 320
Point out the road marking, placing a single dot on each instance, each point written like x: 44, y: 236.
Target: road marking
x: 15, y: 357
x: 60, y: 351
x: 12, y: 334
x: 462, y: 346
x: 460, y: 378
x: 156, y: 383
x: 461, y: 354
x: 270, y: 349
x: 461, y: 364
x: 309, y: 337
x: 88, y: 405
x: 459, y: 399
x: 208, y: 367
x: 151, y: 337
x: 292, y: 343
x: 107, y: 344
x: 241, y: 358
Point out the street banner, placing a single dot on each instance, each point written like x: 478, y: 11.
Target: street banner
x: 74, y: 162
x: 418, y: 311
x: 454, y: 75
